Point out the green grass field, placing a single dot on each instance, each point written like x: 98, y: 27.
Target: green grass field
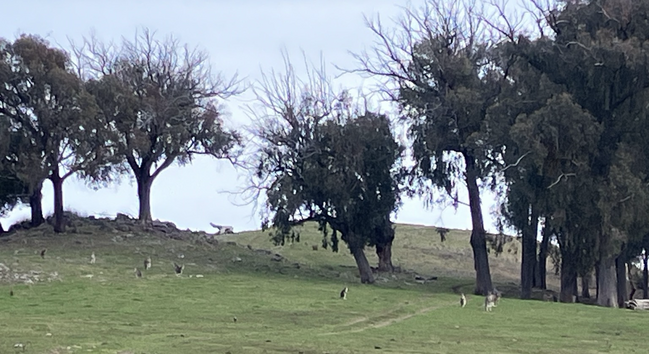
x: 290, y: 305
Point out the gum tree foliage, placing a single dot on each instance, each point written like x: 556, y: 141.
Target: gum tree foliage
x: 12, y: 189
x: 437, y: 66
x: 321, y: 160
x: 594, y: 51
x: 55, y: 127
x: 160, y: 99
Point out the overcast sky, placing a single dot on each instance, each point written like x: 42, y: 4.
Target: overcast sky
x: 241, y: 37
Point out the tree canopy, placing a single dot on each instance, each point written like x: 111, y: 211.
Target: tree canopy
x: 54, y: 124
x: 322, y: 159
x: 159, y: 99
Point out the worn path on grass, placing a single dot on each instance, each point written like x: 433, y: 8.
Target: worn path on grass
x: 383, y: 323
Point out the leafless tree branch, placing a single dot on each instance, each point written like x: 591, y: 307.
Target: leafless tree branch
x: 517, y: 161
x: 560, y: 177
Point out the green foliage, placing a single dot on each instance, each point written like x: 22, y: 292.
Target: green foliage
x: 53, y: 125
x: 160, y: 101
x: 12, y: 189
x: 575, y: 150
x: 321, y: 160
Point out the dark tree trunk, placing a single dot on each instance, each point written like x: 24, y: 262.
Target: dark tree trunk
x: 620, y: 269
x: 597, y: 280
x: 57, y: 184
x: 585, y: 286
x: 384, y: 238
x: 543, y: 258
x: 632, y: 284
x: 483, y: 283
x: 36, y: 204
x: 568, y: 279
x: 607, y: 294
x: 529, y: 254
x: 2, y: 230
x: 363, y: 265
x: 144, y: 183
x: 384, y: 252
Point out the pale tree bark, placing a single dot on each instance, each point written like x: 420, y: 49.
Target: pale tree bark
x: 645, y: 278
x: 607, y: 293
x: 585, y: 286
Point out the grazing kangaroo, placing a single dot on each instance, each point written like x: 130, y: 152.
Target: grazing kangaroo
x: 491, y: 300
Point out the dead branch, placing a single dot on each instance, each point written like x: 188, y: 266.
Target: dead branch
x: 517, y: 161
x: 560, y: 177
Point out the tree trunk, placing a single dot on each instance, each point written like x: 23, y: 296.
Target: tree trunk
x: 57, y: 185
x: 543, y: 258
x: 363, y: 265
x: 597, y: 280
x: 384, y: 237
x: 36, y: 204
x: 645, y: 278
x: 483, y: 283
x: 2, y: 230
x: 529, y: 254
x: 144, y: 183
x: 384, y: 252
x: 607, y: 294
x: 568, y: 279
x: 620, y: 269
x: 585, y: 286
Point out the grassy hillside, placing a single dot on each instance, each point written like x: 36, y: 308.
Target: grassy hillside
x: 418, y: 248
x: 284, y: 299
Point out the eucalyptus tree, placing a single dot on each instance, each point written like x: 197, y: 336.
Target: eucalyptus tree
x: 56, y: 128
x: 523, y: 179
x: 437, y: 66
x: 595, y: 51
x: 12, y: 189
x: 160, y: 99
x: 321, y: 159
